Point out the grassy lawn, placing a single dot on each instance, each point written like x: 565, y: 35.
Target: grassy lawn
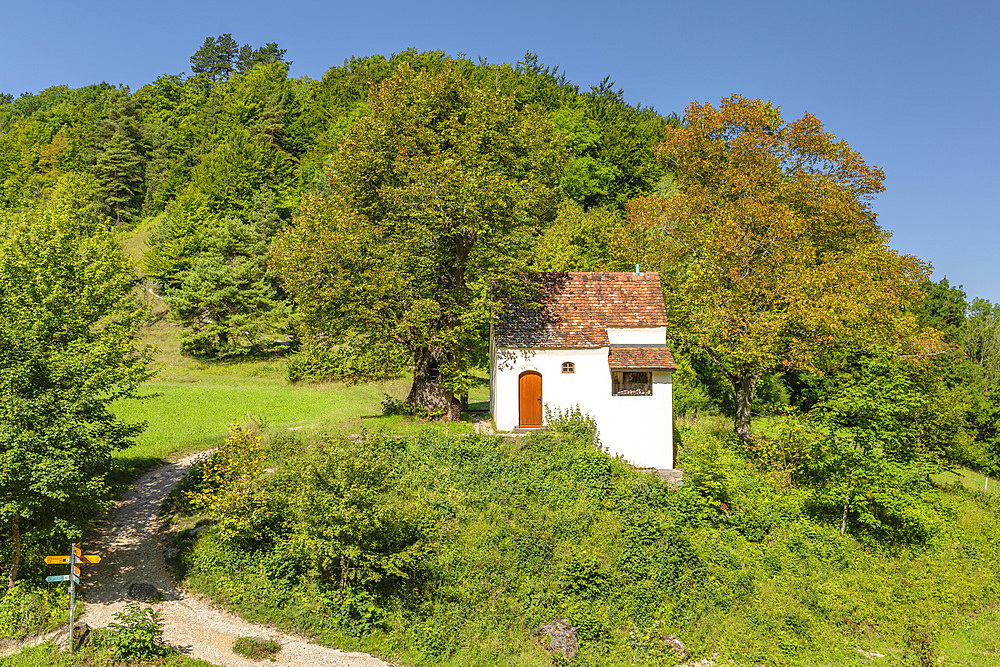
x: 190, y: 403
x: 970, y: 479
x: 47, y: 655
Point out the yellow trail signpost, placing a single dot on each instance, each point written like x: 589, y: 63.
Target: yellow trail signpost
x: 75, y: 558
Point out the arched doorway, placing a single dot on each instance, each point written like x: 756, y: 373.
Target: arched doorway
x: 529, y: 386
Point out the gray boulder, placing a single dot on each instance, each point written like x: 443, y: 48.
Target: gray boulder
x: 81, y: 633
x: 559, y: 637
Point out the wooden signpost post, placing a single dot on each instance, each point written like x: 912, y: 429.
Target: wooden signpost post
x: 75, y: 558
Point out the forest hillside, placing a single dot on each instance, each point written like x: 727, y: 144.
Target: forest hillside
x: 319, y: 261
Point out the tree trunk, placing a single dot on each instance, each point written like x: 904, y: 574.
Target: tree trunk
x: 743, y: 391
x: 426, y: 391
x: 454, y: 411
x: 15, y: 561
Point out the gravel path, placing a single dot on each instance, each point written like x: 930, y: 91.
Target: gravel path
x: 131, y: 541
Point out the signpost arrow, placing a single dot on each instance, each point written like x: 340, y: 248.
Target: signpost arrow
x: 64, y: 560
x: 75, y: 558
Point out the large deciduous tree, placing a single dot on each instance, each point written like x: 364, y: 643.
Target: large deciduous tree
x: 437, y: 193
x: 770, y: 253
x: 68, y: 349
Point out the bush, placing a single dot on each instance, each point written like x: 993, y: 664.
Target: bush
x: 357, y: 612
x: 232, y: 491
x: 256, y: 649
x: 354, y: 360
x: 136, y: 633
x: 573, y: 421
x: 25, y: 610
x: 393, y: 406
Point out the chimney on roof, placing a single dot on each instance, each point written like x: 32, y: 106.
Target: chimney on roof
x: 637, y: 271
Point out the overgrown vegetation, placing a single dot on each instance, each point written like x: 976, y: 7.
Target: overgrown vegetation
x: 26, y: 610
x: 452, y: 550
x: 256, y: 648
x: 824, y: 533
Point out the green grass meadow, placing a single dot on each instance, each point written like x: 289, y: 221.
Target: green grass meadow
x: 48, y: 655
x: 189, y: 404
x: 969, y: 479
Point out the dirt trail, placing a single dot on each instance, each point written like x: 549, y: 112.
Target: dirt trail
x: 130, y: 541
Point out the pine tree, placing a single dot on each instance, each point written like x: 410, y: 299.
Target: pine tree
x: 117, y: 159
x: 227, y: 300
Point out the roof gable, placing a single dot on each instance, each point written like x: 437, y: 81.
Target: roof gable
x: 575, y: 309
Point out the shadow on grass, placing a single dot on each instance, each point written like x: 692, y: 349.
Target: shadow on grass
x: 126, y: 470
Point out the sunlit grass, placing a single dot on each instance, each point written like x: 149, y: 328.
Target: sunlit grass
x: 190, y: 403
x: 970, y: 479
x: 975, y: 643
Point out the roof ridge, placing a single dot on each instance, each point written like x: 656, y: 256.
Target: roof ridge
x: 577, y: 307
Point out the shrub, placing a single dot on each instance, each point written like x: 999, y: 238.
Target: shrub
x: 357, y: 612
x: 25, y: 610
x: 349, y: 518
x: 394, y: 406
x: 573, y: 421
x: 255, y: 648
x: 231, y: 490
x: 137, y: 633
x: 355, y: 360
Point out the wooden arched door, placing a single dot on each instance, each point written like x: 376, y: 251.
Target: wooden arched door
x: 529, y: 389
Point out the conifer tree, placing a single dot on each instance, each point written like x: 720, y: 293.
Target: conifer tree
x: 227, y: 300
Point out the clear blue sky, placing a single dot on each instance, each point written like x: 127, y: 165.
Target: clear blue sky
x: 912, y: 85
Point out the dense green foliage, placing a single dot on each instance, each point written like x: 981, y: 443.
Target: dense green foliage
x: 436, y: 193
x: 135, y: 634
x: 970, y: 367
x: 67, y: 351
x: 25, y: 610
x: 436, y: 550
x: 224, y: 155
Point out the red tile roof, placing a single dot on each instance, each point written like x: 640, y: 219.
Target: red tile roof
x: 575, y: 310
x: 645, y: 357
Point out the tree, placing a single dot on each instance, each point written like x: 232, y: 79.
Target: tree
x: 68, y: 350
x: 581, y: 240
x: 220, y: 56
x: 117, y: 157
x: 877, y: 435
x: 227, y: 301
x: 438, y: 191
x: 944, y: 308
x: 770, y: 254
x: 248, y: 57
x: 215, y: 57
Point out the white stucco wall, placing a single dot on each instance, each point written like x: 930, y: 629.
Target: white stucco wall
x: 639, y: 428
x: 637, y: 335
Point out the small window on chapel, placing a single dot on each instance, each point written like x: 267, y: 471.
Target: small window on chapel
x: 569, y: 367
x: 632, y: 383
